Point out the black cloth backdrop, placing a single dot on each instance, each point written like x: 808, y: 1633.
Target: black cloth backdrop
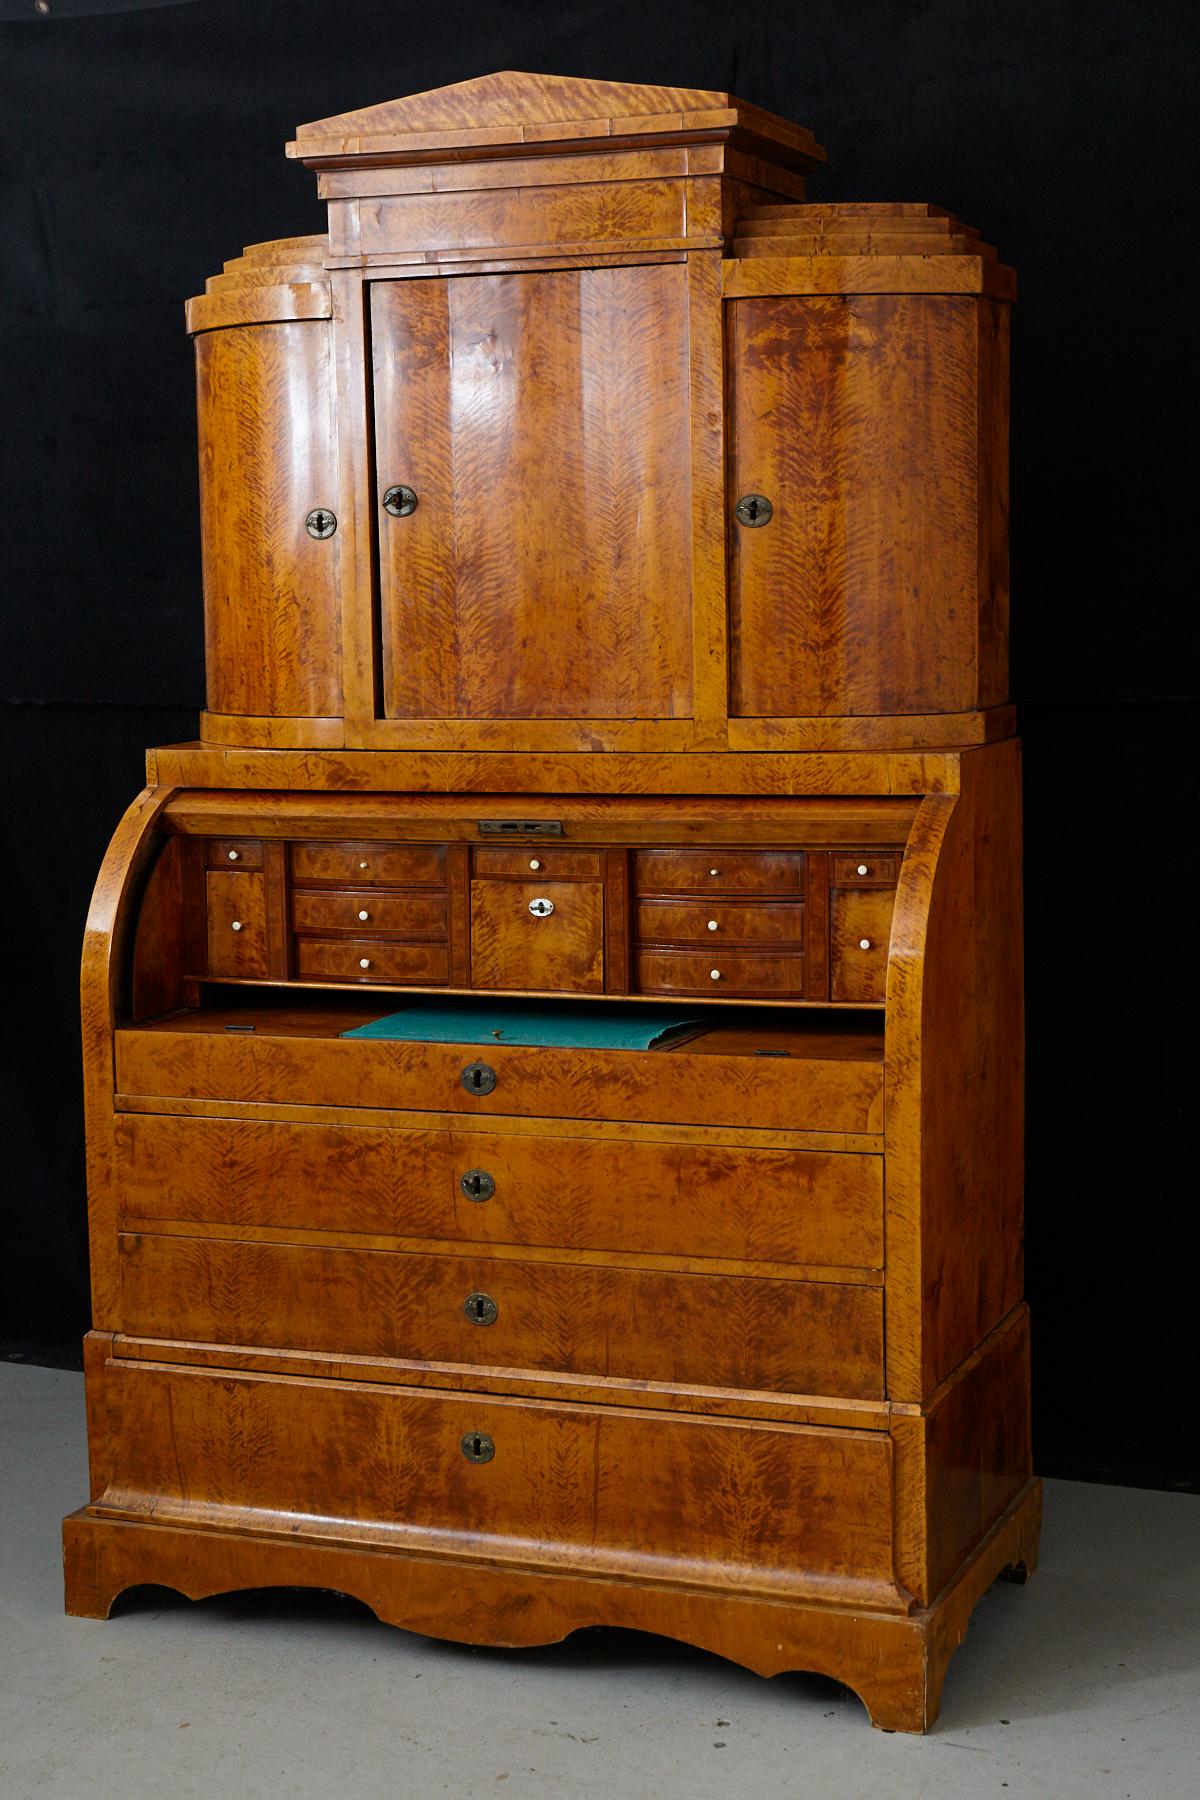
x: 140, y: 148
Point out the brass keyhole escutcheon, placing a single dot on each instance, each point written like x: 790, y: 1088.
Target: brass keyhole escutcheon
x: 478, y: 1078
x: 400, y: 501
x: 477, y: 1184
x: 481, y: 1309
x: 321, y: 523
x: 753, y: 509
x: 478, y: 1447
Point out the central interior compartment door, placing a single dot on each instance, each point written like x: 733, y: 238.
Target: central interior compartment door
x: 541, y: 421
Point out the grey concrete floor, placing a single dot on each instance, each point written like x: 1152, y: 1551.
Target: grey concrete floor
x: 1082, y: 1683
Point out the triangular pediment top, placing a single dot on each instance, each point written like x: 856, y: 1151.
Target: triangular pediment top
x: 515, y: 107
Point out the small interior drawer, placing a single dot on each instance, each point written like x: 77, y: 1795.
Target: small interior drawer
x: 362, y: 959
x: 517, y: 943
x: 520, y: 861
x: 400, y: 865
x: 718, y: 974
x: 860, y: 930
x: 234, y: 853
x: 720, y: 922
x: 408, y: 915
x: 237, y: 925
x: 719, y: 871
x: 865, y: 869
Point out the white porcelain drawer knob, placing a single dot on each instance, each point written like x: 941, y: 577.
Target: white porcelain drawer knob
x: 236, y: 926
x: 534, y: 863
x: 714, y: 871
x: 863, y: 869
x: 714, y: 974
x: 364, y: 914
x: 864, y: 943
x: 233, y: 855
x: 712, y: 924
x: 364, y: 865
x: 364, y: 962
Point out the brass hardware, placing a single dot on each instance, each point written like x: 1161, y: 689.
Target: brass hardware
x: 400, y: 501
x: 478, y: 1078
x: 481, y: 1309
x: 477, y: 1184
x: 541, y: 909
x: 478, y: 1447
x: 753, y: 509
x: 321, y: 523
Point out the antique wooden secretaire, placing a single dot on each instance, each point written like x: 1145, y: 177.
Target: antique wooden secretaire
x: 554, y: 1043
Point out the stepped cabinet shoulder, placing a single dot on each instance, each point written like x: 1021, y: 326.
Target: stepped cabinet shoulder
x: 554, y: 1044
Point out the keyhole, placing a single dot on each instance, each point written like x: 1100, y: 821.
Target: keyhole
x: 476, y: 1446
x: 481, y: 1309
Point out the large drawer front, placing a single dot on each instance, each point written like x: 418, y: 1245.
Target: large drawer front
x: 576, y: 1191
x: 836, y: 1093
x: 600, y: 1489
x: 629, y: 1324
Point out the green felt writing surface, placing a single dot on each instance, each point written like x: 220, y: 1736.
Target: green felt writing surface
x: 571, y: 1025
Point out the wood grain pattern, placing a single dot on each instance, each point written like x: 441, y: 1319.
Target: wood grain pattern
x: 870, y: 773
x: 787, y: 1336
x: 955, y: 1078
x: 511, y: 947
x: 857, y: 417
x: 271, y: 604
x: 896, y: 1665
x: 542, y: 420
x: 727, y: 972
x: 860, y: 929
x: 237, y: 924
x: 604, y: 1490
x: 554, y: 1187
x: 830, y: 1080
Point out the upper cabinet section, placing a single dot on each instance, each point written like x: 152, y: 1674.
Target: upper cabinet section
x: 582, y: 430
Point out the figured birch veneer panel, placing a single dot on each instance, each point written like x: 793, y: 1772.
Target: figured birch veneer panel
x: 798, y: 1337
x: 551, y: 1188
x: 267, y: 458
x: 576, y: 214
x: 764, y: 1508
x: 827, y: 1081
x: 857, y: 416
x: 542, y: 420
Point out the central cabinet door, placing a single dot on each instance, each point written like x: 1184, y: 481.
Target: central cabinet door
x: 541, y: 420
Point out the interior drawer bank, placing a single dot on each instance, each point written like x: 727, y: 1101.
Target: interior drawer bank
x: 552, y: 1188
x: 774, y: 1078
x: 792, y: 1337
x: 605, y: 1490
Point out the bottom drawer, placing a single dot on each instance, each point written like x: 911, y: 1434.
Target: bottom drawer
x: 712, y: 972
x: 796, y: 1510
x: 795, y: 1337
x: 341, y: 959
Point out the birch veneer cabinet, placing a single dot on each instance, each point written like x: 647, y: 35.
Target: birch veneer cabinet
x: 604, y: 568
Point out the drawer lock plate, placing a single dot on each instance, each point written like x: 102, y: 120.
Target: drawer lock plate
x: 481, y: 1309
x: 478, y: 1078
